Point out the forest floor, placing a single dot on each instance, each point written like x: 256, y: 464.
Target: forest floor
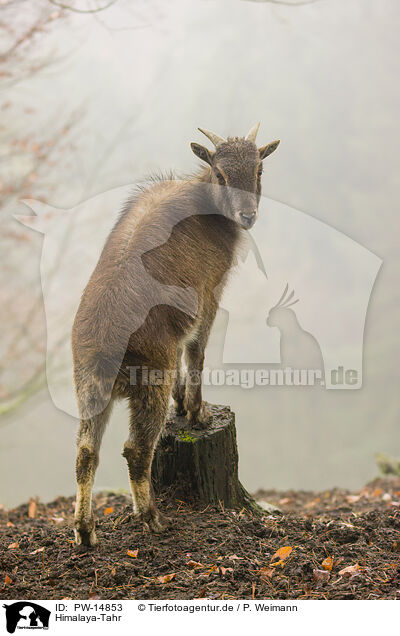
x: 330, y: 545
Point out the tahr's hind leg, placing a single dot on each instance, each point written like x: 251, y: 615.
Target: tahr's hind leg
x: 89, y: 439
x: 149, y: 408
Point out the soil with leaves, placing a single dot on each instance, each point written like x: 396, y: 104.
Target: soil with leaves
x: 330, y: 545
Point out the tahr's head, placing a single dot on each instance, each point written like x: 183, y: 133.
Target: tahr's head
x: 236, y: 166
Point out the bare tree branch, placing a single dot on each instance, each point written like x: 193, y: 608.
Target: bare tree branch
x: 286, y: 3
x: 67, y: 7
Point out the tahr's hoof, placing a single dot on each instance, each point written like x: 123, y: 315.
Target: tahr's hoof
x: 179, y: 408
x: 199, y: 418
x: 154, y: 521
x: 84, y: 539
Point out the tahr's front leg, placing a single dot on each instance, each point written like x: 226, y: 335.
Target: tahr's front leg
x: 196, y: 411
x: 178, y: 390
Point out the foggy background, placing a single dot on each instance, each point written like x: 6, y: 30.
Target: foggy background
x: 126, y: 88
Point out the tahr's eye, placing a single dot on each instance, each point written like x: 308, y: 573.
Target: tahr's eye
x: 220, y: 177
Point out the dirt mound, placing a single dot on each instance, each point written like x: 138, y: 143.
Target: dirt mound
x: 330, y: 545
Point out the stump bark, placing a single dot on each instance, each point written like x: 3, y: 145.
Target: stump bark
x: 201, y: 465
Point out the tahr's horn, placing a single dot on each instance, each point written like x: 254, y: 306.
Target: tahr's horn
x: 252, y: 134
x: 216, y: 139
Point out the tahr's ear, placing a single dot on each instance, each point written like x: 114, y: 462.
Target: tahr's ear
x: 202, y: 153
x: 268, y: 149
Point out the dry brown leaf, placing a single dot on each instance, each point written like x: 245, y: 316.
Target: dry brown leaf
x: 212, y: 569
x: 194, y: 564
x: 314, y: 502
x: 223, y: 570
x: 327, y: 564
x: 321, y: 575
x: 109, y: 510
x: 57, y: 519
x: 282, y: 553
x: 167, y: 578
x: 37, y: 551
x: 351, y: 570
x: 94, y: 596
x: 377, y: 492
x: 13, y: 546
x: 234, y: 557
x: 353, y: 498
x: 266, y: 573
x: 10, y: 524
x: 7, y: 580
x: 32, y: 509
x: 133, y: 553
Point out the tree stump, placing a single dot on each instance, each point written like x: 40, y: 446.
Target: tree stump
x: 201, y: 465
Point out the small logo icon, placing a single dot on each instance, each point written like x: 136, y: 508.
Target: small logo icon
x: 26, y: 615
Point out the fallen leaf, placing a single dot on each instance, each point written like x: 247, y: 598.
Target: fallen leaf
x: 351, y: 570
x: 13, y: 546
x: 282, y: 553
x: 223, y: 570
x: 109, y: 510
x: 266, y: 573
x: 94, y: 596
x: 327, y: 564
x: 321, y: 575
x: 10, y: 524
x: 234, y: 557
x: 36, y: 551
x: 32, y: 509
x: 194, y: 564
x: 314, y: 502
x: 133, y: 553
x: 284, y: 501
x: 167, y: 578
x: 377, y: 492
x: 57, y: 519
x: 7, y: 580
x: 353, y: 498
x: 212, y: 569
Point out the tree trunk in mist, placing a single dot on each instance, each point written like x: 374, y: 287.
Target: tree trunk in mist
x: 201, y: 466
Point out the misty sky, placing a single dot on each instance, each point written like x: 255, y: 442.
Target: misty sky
x: 322, y: 78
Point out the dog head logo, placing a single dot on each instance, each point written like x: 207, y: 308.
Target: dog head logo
x: 26, y: 615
